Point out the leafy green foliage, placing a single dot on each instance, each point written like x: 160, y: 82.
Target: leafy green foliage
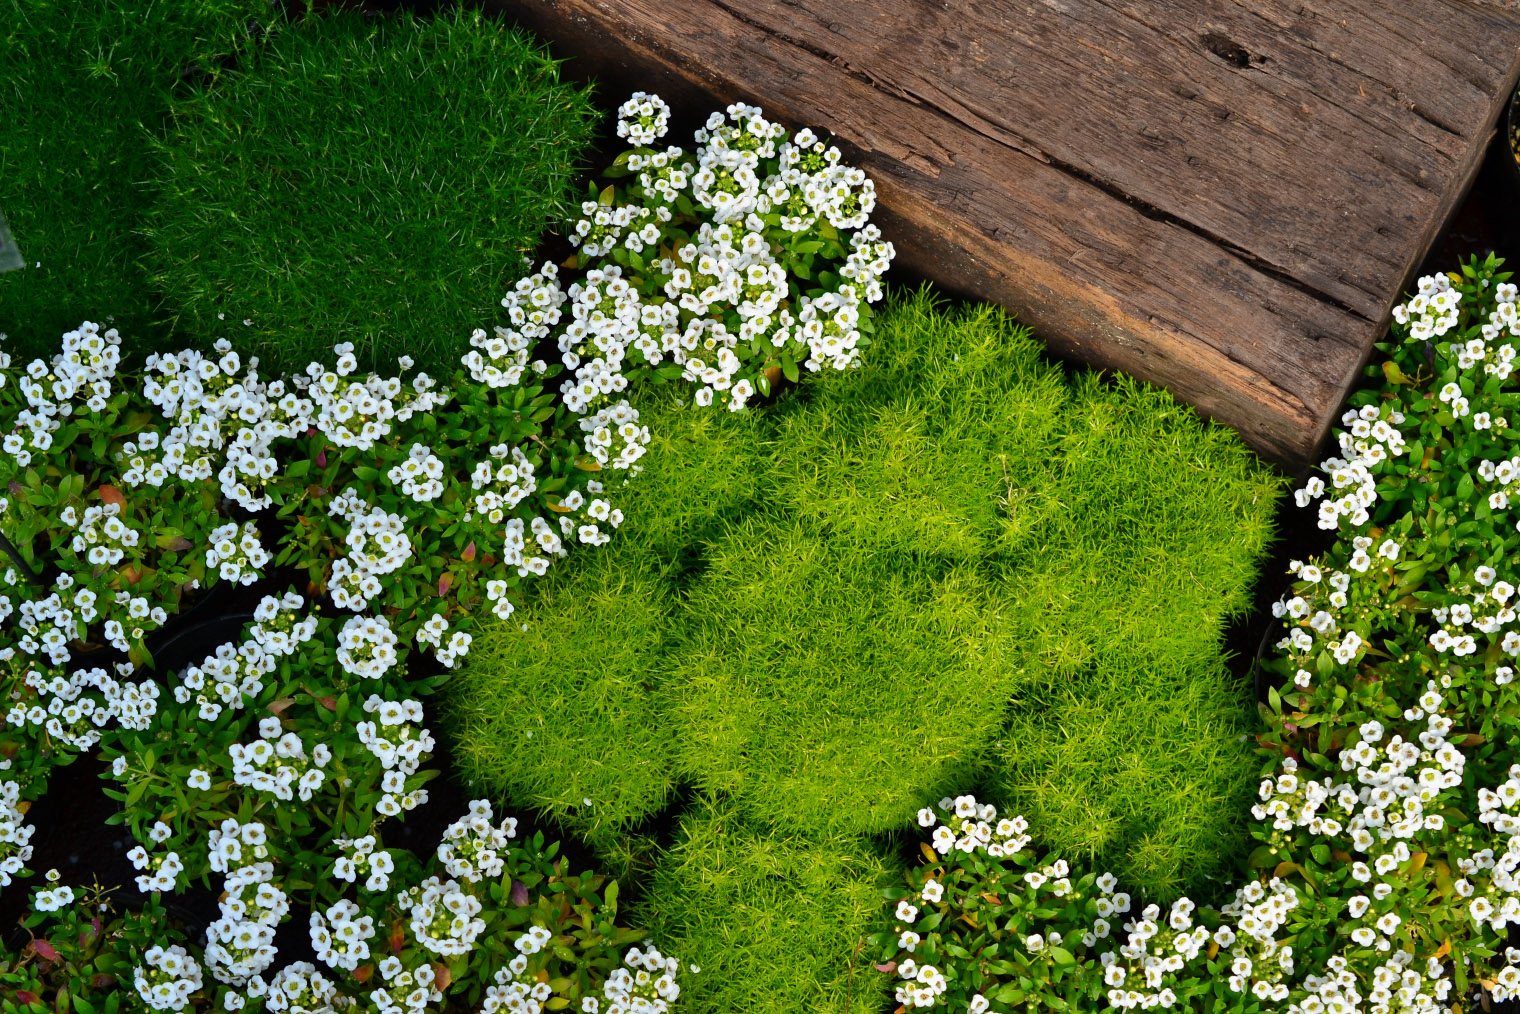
x: 367, y: 180
x: 81, y: 86
x: 774, y: 922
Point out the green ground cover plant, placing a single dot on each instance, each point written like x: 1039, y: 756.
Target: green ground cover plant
x: 82, y: 88
x: 1387, y: 818
x: 375, y: 181
x: 772, y: 921
x: 883, y: 583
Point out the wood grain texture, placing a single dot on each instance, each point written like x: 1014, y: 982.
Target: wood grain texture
x: 1222, y: 196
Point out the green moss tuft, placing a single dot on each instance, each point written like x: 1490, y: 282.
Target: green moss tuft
x: 367, y: 180
x: 569, y: 715
x: 953, y: 567
x: 775, y: 922
x: 830, y: 689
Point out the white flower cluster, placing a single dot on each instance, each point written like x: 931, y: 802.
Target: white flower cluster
x: 447, y: 648
x: 15, y: 833
x: 420, y: 476
x: 377, y: 545
x: 236, y: 673
x: 357, y: 414
x: 1372, y: 435
x: 360, y: 854
x: 240, y: 943
x: 533, y: 307
x: 601, y: 226
x: 729, y: 269
x: 1142, y: 972
x: 614, y: 437
x: 443, y: 917
x: 163, y: 871
x: 646, y: 984
x: 976, y: 830
x: 1490, y: 611
x: 100, y: 534
x: 643, y: 119
x: 1313, y: 616
x: 85, y: 367
x: 1433, y: 311
x: 367, y: 646
x: 167, y: 977
x: 278, y: 763
x: 473, y: 848
x: 406, y: 990
x: 52, y: 899
x: 1491, y: 879
x: 501, y: 482
x: 922, y: 985
x: 513, y: 994
x: 215, y: 414
x: 74, y: 708
x: 237, y: 553
x: 47, y: 625
x: 298, y: 988
x: 341, y: 935
x: 400, y: 746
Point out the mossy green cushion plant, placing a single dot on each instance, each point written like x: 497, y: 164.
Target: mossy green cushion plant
x: 770, y: 922
x: 950, y: 564
x: 82, y: 86
x: 367, y: 180
x: 574, y: 730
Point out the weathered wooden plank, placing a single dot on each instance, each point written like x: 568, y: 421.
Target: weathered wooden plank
x: 1222, y: 196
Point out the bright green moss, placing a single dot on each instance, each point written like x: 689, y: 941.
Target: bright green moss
x: 1135, y: 766
x: 82, y: 86
x: 569, y: 716
x: 955, y: 569
x: 774, y: 921
x: 368, y: 180
x: 830, y: 689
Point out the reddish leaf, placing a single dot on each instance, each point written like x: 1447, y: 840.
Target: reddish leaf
x: 330, y: 703
x: 443, y: 975
x: 398, y: 936
x: 889, y: 967
x: 280, y: 706
x: 45, y: 949
x: 102, y: 980
x: 110, y: 494
x: 363, y: 972
x: 519, y: 893
x: 469, y: 553
x: 322, y: 458
x: 26, y: 996
x: 445, y: 583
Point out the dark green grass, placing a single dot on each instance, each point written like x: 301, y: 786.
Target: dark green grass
x: 367, y: 180
x: 774, y: 921
x: 954, y: 569
x: 82, y: 86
